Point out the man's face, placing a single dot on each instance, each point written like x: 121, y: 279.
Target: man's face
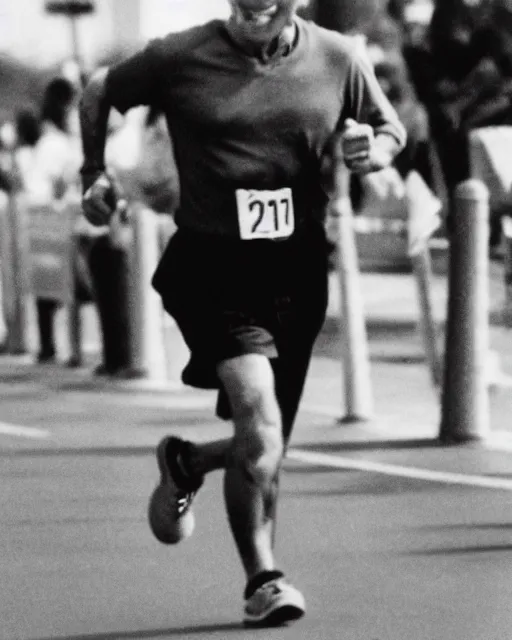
x: 260, y: 21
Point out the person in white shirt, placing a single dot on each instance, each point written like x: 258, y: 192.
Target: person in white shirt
x: 50, y: 174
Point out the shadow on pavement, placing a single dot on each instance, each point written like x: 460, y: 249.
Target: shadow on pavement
x: 467, y: 525
x: 109, y: 452
x: 366, y: 489
x: 397, y: 358
x: 365, y: 445
x: 154, y: 633
x: 447, y: 551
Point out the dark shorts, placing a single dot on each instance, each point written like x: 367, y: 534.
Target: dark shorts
x: 231, y: 298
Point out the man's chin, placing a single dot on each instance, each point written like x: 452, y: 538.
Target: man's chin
x: 259, y: 35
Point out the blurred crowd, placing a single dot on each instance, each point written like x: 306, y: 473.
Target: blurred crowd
x: 446, y: 66
x: 40, y: 158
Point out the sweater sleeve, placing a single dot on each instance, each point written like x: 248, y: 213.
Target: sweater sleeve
x: 135, y: 81
x: 365, y: 102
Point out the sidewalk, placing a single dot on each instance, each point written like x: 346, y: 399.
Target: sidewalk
x: 406, y: 404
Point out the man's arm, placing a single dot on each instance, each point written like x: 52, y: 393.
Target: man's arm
x: 94, y: 114
x: 372, y: 133
x: 99, y: 201
x: 364, y: 150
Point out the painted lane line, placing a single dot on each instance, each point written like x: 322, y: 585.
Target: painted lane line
x: 23, y: 432
x: 412, y: 473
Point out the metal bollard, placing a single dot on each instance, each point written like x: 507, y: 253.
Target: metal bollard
x: 355, y: 357
x: 465, y: 395
x: 507, y: 235
x: 74, y: 316
x: 422, y: 269
x: 5, y: 279
x: 423, y: 209
x: 148, y: 357
x: 16, y: 278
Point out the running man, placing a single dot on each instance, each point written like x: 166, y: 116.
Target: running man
x: 253, y: 105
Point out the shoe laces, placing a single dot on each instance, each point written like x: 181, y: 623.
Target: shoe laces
x: 183, y: 501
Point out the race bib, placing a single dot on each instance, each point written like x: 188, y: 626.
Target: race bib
x: 265, y: 214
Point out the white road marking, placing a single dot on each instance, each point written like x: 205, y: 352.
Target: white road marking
x: 23, y: 432
x: 412, y: 473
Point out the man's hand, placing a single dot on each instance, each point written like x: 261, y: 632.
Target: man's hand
x: 362, y: 152
x: 100, y: 198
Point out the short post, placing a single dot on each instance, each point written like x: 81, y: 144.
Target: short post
x: 423, y: 209
x: 148, y: 357
x: 422, y: 269
x: 75, y: 329
x: 16, y: 316
x: 465, y: 394
x: 355, y: 356
x: 5, y: 280
x: 507, y: 236
x: 74, y: 306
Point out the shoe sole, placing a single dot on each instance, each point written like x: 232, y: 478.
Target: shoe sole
x: 279, y: 616
x: 159, y: 502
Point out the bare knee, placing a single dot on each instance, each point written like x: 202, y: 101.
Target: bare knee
x: 258, y: 441
x: 259, y: 454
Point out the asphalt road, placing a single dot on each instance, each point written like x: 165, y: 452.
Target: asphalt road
x: 379, y: 555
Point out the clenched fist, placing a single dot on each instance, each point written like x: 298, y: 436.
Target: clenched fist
x: 100, y: 198
x: 361, y: 151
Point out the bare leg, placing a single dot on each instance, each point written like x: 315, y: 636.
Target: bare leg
x: 250, y: 485
x: 210, y: 456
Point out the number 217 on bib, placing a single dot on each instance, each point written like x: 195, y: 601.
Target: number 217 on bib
x: 265, y: 214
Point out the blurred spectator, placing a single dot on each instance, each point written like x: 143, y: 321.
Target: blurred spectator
x: 28, y: 132
x: 463, y: 75
x: 156, y: 174
x: 356, y: 16
x: 142, y: 156
x: 109, y: 252
x: 6, y: 179
x: 396, y: 9
x: 57, y: 154
x: 138, y: 153
x: 7, y: 143
x: 415, y: 19
x: 393, y: 78
x: 108, y: 263
x: 52, y: 174
x: 384, y: 39
x: 384, y: 44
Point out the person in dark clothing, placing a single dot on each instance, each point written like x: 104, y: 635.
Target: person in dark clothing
x: 108, y: 263
x: 252, y: 103
x: 463, y: 75
x: 393, y: 78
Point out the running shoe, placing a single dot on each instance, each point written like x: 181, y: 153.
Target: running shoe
x: 170, y: 515
x: 273, y: 604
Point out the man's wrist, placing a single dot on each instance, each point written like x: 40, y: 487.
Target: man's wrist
x: 385, y: 150
x: 88, y: 168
